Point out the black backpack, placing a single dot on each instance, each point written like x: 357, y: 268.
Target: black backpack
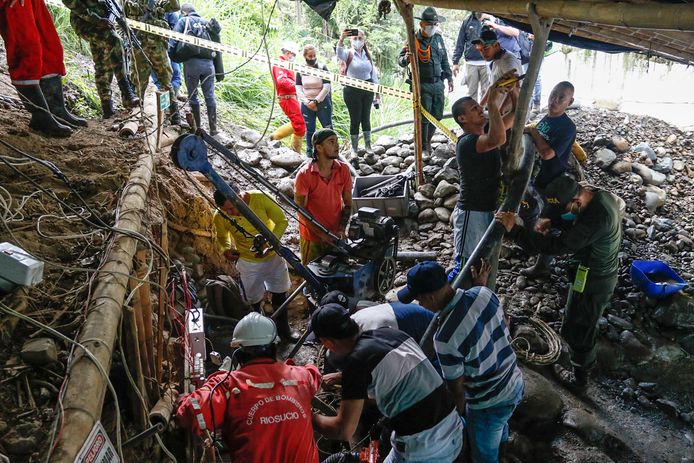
x: 526, y: 45
x: 181, y: 52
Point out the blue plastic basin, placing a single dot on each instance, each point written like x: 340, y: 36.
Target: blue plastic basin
x: 656, y: 278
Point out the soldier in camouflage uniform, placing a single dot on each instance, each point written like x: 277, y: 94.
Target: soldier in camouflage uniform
x: 155, y: 49
x: 89, y: 19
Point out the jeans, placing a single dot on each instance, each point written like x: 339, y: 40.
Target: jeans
x: 441, y: 444
x: 324, y: 115
x: 358, y: 104
x: 468, y: 229
x: 199, y: 72
x: 487, y: 428
x: 175, y: 76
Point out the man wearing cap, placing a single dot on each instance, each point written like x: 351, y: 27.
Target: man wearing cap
x: 592, y: 236
x: 324, y: 188
x: 500, y: 61
x: 285, y: 85
x: 473, y: 345
x: 553, y: 138
x: 389, y: 367
x: 264, y: 408
x: 479, y: 165
x: 259, y: 269
x: 432, y: 59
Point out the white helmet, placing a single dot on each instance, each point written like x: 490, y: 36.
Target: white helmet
x: 254, y: 330
x: 292, y: 47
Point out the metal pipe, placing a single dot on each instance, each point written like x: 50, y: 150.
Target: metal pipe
x: 408, y: 256
x: 291, y: 297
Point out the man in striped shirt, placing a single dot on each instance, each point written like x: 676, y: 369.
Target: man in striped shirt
x: 473, y: 345
x: 388, y: 366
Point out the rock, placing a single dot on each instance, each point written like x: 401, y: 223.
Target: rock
x: 366, y: 169
x: 671, y: 140
x: 422, y: 201
x: 386, y: 141
x: 649, y: 176
x: 602, y: 140
x: 633, y: 348
x: 378, y: 150
x: 392, y: 151
x: 444, y: 151
x: 668, y: 407
x: 604, y: 157
x: 448, y: 174
x: 646, y: 149
x: 541, y: 404
x: 400, y: 280
x: 620, y: 323
x: 427, y: 190
x: 445, y: 189
x: 653, y: 202
x: 427, y: 216
x: 404, y: 152
x: 250, y: 135
x: 19, y: 445
x: 288, y: 159
x: 391, y: 161
x: 276, y: 173
x: 390, y: 170
x: 409, y: 160
x: 676, y: 311
x: 443, y: 214
x: 252, y: 157
x: 451, y: 201
x: 585, y: 423
x: 406, y: 138
x: 621, y: 167
x: 664, y: 165
x: 687, y: 343
x: 286, y: 186
x: 39, y: 351
x: 678, y: 165
x: 619, y: 144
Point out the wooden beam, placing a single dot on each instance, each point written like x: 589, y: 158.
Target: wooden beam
x: 651, y: 15
x: 406, y: 11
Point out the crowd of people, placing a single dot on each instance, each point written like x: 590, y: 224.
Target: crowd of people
x: 465, y: 386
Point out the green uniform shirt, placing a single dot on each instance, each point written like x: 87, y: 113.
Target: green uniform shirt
x: 438, y: 64
x: 137, y: 9
x: 593, y: 239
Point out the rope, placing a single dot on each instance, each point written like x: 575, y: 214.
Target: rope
x: 548, y: 335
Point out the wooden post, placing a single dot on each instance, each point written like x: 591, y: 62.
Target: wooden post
x: 163, y: 300
x: 145, y: 299
x: 163, y: 103
x: 132, y: 355
x: 406, y: 11
x: 137, y: 305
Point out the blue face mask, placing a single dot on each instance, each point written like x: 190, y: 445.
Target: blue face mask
x: 569, y: 216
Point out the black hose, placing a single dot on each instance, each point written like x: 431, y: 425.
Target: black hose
x: 341, y: 457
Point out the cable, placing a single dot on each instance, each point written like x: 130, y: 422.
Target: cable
x: 10, y: 311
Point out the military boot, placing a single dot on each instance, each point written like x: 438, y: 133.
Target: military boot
x: 195, y: 111
x: 41, y: 118
x: 174, y: 114
x: 212, y: 119
x: 107, y: 108
x: 52, y: 88
x: 128, y: 96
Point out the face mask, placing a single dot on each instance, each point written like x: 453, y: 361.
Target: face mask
x: 429, y: 30
x: 291, y: 59
x: 570, y: 216
x: 311, y: 62
x: 358, y: 44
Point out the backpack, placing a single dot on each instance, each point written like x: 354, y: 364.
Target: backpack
x: 224, y: 297
x: 526, y: 46
x: 345, y: 64
x: 181, y: 52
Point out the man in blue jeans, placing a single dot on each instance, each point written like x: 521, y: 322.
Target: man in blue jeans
x: 473, y: 345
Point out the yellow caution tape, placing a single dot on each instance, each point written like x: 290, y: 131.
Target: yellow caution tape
x: 445, y: 130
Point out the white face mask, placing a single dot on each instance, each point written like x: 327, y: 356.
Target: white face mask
x: 358, y: 44
x: 291, y: 58
x: 429, y: 30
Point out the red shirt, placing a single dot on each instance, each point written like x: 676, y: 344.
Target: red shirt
x: 323, y: 197
x: 263, y: 410
x: 284, y: 80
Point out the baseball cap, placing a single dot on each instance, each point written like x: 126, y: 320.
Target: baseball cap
x: 335, y: 297
x: 487, y: 37
x: 559, y: 193
x: 320, y: 135
x: 333, y: 321
x: 424, y: 277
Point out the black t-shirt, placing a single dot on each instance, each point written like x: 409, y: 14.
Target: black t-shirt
x: 559, y: 133
x: 480, y: 174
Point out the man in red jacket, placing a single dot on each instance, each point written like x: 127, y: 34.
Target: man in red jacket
x: 35, y: 61
x: 286, y: 92
x: 263, y: 408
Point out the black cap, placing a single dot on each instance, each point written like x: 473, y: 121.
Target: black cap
x: 559, y: 193
x: 333, y: 321
x: 335, y: 297
x: 423, y: 278
x: 487, y: 37
x: 429, y: 15
x: 320, y: 135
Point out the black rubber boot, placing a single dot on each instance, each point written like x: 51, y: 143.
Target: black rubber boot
x: 128, y: 96
x: 212, y: 119
x: 174, y: 115
x: 540, y: 269
x: 41, y: 118
x: 425, y: 139
x: 195, y: 111
x: 107, y: 109
x: 52, y: 88
x: 286, y: 333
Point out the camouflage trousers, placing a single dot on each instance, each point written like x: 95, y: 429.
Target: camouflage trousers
x: 109, y: 59
x: 155, y: 49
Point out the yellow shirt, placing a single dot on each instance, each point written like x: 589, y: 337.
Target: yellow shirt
x: 228, y: 237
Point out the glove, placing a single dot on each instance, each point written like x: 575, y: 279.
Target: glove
x: 226, y: 364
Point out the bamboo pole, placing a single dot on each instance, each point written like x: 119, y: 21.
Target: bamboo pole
x: 406, y: 11
x: 145, y: 297
x: 86, y: 387
x: 649, y: 15
x: 132, y: 354
x: 163, y: 300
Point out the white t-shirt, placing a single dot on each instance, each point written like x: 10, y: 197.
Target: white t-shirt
x: 507, y: 62
x: 376, y: 316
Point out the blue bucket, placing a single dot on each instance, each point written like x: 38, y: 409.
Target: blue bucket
x: 656, y: 278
